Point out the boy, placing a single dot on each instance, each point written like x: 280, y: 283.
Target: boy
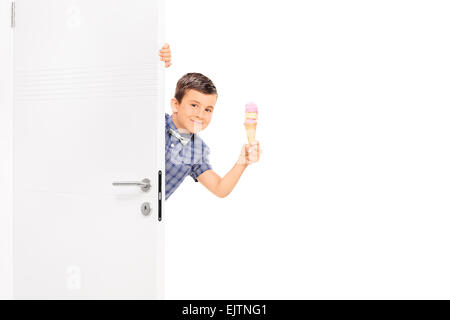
x: 186, y: 153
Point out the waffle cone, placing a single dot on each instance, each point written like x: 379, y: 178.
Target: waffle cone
x: 251, y: 131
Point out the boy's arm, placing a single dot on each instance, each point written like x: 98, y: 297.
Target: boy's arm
x: 222, y: 187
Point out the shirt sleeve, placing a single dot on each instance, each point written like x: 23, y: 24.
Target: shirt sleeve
x: 203, y: 165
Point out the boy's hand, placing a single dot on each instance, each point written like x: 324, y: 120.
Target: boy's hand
x: 250, y: 153
x: 165, y: 55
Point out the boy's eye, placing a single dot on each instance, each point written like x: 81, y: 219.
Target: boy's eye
x: 209, y: 110
x: 194, y: 105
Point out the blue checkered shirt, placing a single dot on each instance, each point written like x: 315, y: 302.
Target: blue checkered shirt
x: 191, y: 159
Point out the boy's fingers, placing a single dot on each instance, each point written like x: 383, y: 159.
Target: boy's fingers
x: 252, y: 159
x: 254, y: 152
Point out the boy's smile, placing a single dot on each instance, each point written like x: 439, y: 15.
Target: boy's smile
x: 195, y: 111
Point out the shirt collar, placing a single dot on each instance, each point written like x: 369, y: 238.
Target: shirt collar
x: 171, y: 125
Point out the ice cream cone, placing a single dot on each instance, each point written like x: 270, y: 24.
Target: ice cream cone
x: 250, y: 128
x: 251, y: 121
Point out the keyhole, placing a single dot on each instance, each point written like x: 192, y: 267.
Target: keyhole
x: 146, y: 208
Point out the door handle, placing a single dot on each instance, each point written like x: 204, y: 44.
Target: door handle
x: 144, y: 184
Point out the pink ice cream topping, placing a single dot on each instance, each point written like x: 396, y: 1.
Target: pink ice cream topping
x: 250, y: 121
x: 251, y: 107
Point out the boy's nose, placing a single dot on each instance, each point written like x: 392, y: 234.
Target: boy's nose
x: 199, y: 113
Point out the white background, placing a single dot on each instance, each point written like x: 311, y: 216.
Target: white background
x: 5, y: 151
x: 351, y: 196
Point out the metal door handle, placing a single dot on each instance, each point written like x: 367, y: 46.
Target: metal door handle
x: 144, y: 184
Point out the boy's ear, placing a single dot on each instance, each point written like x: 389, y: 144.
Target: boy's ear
x: 174, y: 105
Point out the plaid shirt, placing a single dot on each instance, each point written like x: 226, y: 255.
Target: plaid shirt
x: 191, y: 159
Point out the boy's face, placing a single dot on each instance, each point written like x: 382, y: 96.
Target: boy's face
x: 195, y: 111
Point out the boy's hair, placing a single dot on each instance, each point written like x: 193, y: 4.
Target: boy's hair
x: 195, y: 81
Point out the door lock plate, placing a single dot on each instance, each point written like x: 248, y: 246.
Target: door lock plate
x: 146, y: 208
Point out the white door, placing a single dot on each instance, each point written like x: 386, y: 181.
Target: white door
x: 88, y: 112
